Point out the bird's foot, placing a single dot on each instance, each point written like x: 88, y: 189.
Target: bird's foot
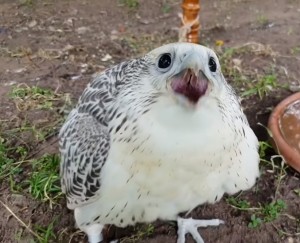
x: 94, y: 233
x: 191, y: 226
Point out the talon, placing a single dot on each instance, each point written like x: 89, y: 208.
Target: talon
x: 191, y: 226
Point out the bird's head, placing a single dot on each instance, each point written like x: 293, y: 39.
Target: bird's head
x: 186, y: 71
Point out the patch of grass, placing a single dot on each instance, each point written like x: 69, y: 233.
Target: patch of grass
x: 38, y: 134
x: 46, y: 234
x: 5, y: 161
x: 18, y: 235
x: 22, y: 152
x: 7, y: 164
x: 260, y: 81
x: 12, y: 168
x: 18, y: 52
x: 262, y: 214
x: 229, y: 58
x: 142, y: 232
x: 27, y: 3
x: 47, y: 112
x: 261, y: 88
x: 35, y: 91
x: 267, y: 213
x: 39, y: 176
x: 251, y: 81
x: 33, y: 97
x: 131, y: 4
x: 44, y: 179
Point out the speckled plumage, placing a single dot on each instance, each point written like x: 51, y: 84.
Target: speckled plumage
x: 134, y: 151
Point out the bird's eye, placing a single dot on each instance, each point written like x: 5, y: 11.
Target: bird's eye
x: 165, y: 61
x: 212, y: 64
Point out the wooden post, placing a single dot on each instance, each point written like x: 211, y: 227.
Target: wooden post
x: 190, y: 20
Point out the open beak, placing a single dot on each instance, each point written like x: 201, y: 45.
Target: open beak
x: 191, y: 84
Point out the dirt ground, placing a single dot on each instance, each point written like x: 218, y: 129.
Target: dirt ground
x: 58, y: 45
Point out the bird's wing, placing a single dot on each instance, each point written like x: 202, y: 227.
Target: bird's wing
x: 85, y: 142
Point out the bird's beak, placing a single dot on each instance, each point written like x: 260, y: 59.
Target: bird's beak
x: 191, y: 82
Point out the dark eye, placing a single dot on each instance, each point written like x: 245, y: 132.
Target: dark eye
x: 212, y: 64
x: 165, y: 61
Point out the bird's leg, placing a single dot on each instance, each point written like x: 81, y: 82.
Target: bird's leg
x: 191, y: 226
x: 94, y: 232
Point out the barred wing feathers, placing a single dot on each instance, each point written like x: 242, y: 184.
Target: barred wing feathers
x: 85, y: 141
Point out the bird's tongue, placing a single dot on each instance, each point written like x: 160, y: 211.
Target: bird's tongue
x: 191, y: 86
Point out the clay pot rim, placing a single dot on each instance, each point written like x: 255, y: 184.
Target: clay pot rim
x: 291, y: 156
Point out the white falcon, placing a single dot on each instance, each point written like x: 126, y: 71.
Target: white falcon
x: 153, y: 137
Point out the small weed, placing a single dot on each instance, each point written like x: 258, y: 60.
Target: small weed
x: 147, y: 230
x: 263, y: 147
x: 295, y: 50
x: 46, y: 234
x: 228, y: 54
x: 262, y: 87
x: 5, y: 161
x: 240, y: 204
x: 297, y: 192
x: 255, y: 222
x: 44, y: 178
x: 166, y: 8
x: 262, y: 20
x: 131, y: 4
x: 18, y: 235
x: 143, y: 232
x: 27, y: 3
x: 22, y: 152
x: 267, y: 213
x: 13, y: 185
x: 272, y: 211
x: 226, y: 59
x: 231, y: 69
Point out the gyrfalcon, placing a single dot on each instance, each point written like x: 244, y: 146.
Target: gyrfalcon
x: 153, y: 137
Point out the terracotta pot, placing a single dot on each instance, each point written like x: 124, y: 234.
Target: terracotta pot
x: 285, y: 128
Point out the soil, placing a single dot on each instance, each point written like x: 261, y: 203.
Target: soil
x: 59, y: 44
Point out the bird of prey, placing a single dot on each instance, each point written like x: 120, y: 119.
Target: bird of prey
x: 153, y: 137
